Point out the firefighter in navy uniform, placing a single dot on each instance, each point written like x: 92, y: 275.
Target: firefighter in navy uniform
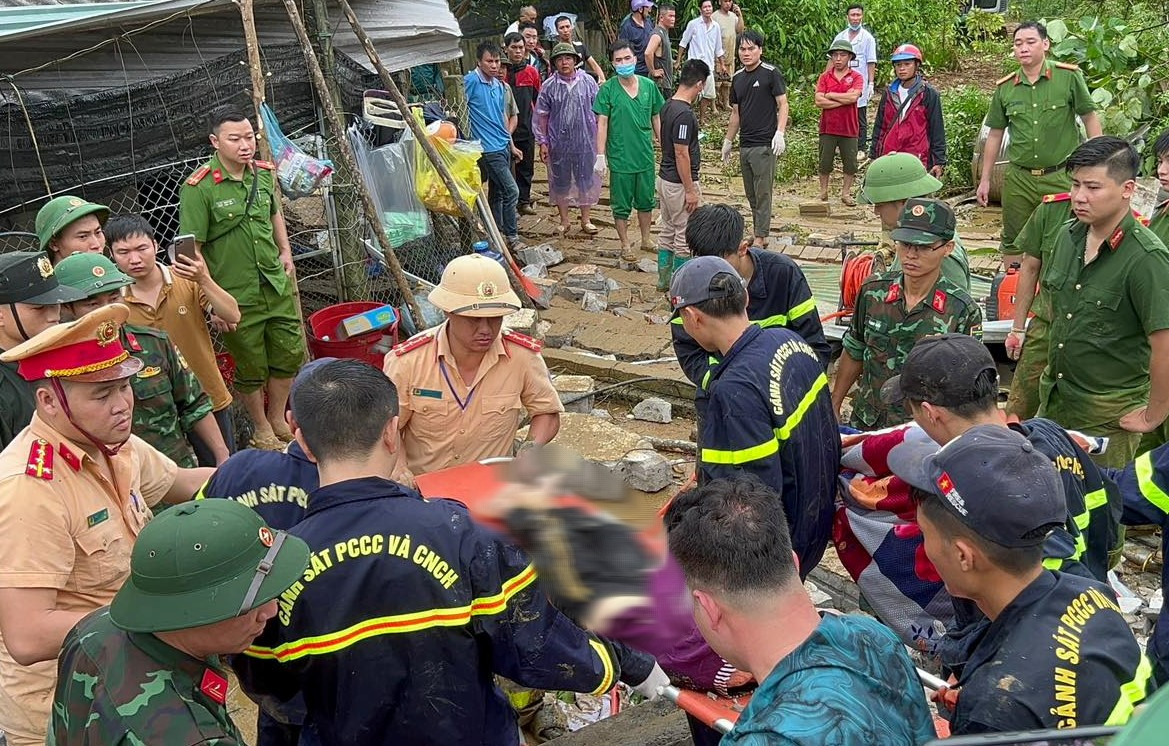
x: 985, y: 503
x: 275, y: 484
x: 408, y: 608
x: 768, y: 412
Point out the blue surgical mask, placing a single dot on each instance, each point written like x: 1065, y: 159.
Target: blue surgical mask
x: 626, y: 70
x: 854, y: 27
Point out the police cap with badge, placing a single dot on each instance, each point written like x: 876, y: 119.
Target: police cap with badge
x: 28, y: 277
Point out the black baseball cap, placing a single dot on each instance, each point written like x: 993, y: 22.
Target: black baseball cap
x: 28, y: 277
x: 992, y: 480
x: 701, y: 279
x: 941, y: 370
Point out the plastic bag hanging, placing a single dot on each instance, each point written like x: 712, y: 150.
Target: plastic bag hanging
x: 300, y: 174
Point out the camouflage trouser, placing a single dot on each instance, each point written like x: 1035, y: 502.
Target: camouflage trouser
x: 1022, y: 193
x: 1023, y: 401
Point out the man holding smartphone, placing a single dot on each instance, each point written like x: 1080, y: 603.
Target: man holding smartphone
x: 230, y: 205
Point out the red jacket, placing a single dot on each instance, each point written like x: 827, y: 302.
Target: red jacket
x: 919, y: 130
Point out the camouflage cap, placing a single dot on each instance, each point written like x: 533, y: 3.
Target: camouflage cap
x: 895, y: 177
x: 91, y: 274
x: 925, y: 221
x: 563, y: 48
x: 840, y: 45
x: 61, y: 211
x: 204, y: 562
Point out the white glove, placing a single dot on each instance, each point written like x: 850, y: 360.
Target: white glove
x: 651, y: 687
x: 778, y: 144
x: 600, y: 165
x: 868, y: 91
x: 726, y: 151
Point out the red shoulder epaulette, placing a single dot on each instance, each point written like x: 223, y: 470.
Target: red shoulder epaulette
x: 1067, y: 66
x: 1117, y: 237
x: 265, y: 164
x: 40, y: 460
x: 523, y: 340
x: 1004, y: 79
x: 939, y: 303
x: 1061, y: 197
x: 420, y: 340
x: 198, y: 176
x: 132, y: 342
x: 894, y: 293
x: 71, y: 458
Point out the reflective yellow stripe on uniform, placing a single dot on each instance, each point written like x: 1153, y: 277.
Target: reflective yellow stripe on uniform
x: 399, y: 623
x: 1149, y: 488
x: 782, y: 433
x: 607, y: 663
x: 1132, y: 693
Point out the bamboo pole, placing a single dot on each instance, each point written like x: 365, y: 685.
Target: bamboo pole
x: 344, y: 150
x: 420, y: 135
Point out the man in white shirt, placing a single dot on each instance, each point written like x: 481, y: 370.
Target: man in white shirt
x: 527, y: 14
x: 703, y: 40
x: 865, y: 63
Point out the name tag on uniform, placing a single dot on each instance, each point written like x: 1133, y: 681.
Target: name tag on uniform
x: 100, y: 516
x: 429, y: 393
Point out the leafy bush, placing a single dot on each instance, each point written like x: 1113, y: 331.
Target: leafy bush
x: 963, y: 109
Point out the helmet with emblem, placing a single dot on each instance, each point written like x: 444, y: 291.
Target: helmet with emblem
x: 91, y: 274
x: 59, y: 212
x: 204, y: 562
x: 88, y: 350
x: 28, y: 277
x: 906, y: 52
x: 474, y: 285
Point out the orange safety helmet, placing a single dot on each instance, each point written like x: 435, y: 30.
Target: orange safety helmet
x: 906, y: 52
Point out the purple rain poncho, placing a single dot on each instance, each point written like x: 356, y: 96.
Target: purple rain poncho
x: 565, y: 122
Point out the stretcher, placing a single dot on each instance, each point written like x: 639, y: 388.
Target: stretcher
x: 722, y: 712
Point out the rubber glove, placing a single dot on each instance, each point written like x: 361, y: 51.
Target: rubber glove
x: 601, y: 164
x: 651, y: 687
x: 726, y: 151
x: 778, y: 144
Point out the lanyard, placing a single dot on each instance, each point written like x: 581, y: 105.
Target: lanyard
x: 463, y: 404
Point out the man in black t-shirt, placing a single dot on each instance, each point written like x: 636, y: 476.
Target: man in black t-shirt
x: 678, y: 175
x: 588, y: 63
x: 759, y: 117
x: 1055, y: 650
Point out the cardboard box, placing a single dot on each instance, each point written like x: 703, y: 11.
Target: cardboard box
x: 370, y: 321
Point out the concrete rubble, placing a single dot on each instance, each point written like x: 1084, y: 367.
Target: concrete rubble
x: 653, y: 409
x: 543, y: 253
x: 594, y: 301
x: 535, y: 271
x: 578, y: 388
x: 523, y: 321
x: 645, y: 470
x: 586, y: 277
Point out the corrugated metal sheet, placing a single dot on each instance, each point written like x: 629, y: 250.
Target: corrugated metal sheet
x: 93, y: 52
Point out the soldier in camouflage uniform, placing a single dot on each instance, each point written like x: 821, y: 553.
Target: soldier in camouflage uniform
x: 169, y: 401
x: 897, y: 308
x: 147, y: 669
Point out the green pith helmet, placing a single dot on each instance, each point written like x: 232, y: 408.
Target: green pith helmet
x: 840, y: 45
x: 91, y: 274
x: 204, y: 562
x: 894, y: 177
x: 925, y: 221
x: 61, y: 211
x: 564, y: 48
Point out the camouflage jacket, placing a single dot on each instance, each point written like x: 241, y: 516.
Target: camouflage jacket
x: 883, y: 331
x: 118, y: 688
x: 168, y: 398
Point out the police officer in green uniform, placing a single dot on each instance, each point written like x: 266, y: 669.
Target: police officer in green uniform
x: 30, y: 295
x: 149, y: 668
x: 889, y: 181
x: 1037, y: 106
x: 70, y: 225
x: 230, y: 206
x: 897, y: 308
x: 1107, y: 281
x: 1027, y: 340
x: 169, y: 401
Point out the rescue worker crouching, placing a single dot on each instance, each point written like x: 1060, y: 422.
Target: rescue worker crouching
x: 407, y: 603
x: 204, y: 578
x: 986, y: 502
x: 463, y: 386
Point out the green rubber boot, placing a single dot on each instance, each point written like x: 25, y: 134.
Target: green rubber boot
x: 667, y: 263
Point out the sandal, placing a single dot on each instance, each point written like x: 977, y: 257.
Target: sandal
x: 561, y: 229
x: 848, y: 200
x: 590, y: 229
x: 270, y: 443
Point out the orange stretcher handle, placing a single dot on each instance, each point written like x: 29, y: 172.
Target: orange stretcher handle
x: 707, y: 710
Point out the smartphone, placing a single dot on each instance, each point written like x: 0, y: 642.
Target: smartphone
x: 182, y: 246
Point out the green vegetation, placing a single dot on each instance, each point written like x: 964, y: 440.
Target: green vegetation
x: 963, y: 109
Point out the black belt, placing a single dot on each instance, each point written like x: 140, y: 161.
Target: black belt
x: 1040, y: 171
